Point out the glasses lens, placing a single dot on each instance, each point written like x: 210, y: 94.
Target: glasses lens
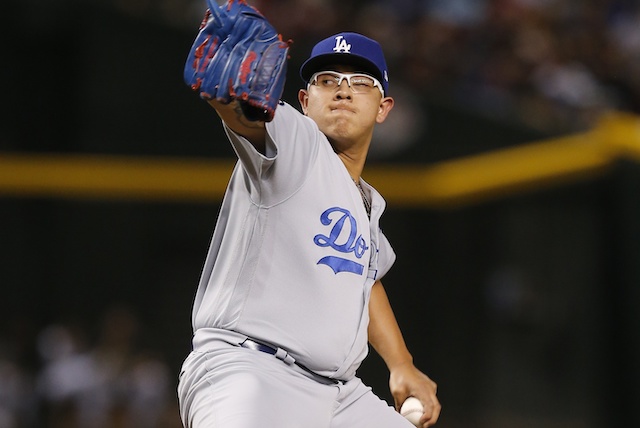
x: 327, y: 80
x: 361, y: 83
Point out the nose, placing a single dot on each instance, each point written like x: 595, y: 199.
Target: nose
x: 344, y: 90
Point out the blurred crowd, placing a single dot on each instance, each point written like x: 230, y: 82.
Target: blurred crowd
x: 80, y: 380
x: 552, y: 65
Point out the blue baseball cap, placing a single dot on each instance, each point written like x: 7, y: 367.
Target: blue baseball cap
x: 348, y: 49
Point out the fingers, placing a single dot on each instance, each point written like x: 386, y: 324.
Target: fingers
x: 431, y: 412
x: 220, y: 13
x: 215, y: 11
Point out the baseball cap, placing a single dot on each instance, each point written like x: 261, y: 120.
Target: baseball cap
x: 349, y: 49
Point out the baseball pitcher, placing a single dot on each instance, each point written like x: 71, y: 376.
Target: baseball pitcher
x: 290, y: 294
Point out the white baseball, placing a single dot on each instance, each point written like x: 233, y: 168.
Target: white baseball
x: 412, y: 410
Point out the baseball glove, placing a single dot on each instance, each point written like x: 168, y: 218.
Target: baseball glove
x: 238, y: 55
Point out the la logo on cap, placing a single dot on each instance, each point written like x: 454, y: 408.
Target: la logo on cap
x: 341, y: 45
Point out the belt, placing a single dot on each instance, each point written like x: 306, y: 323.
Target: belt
x: 283, y: 355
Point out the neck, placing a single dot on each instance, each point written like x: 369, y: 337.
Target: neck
x: 354, y: 165
x: 353, y: 158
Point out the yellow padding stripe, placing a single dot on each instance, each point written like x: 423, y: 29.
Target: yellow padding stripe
x: 498, y: 173
x: 453, y: 183
x: 113, y: 177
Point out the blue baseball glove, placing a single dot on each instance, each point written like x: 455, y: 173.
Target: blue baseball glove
x: 238, y: 55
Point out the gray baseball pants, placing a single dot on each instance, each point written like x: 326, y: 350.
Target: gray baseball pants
x: 224, y: 385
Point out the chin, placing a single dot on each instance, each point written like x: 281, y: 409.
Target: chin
x: 337, y: 132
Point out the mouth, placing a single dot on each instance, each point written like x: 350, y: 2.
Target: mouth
x: 341, y: 108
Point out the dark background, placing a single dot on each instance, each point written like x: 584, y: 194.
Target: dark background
x: 522, y: 308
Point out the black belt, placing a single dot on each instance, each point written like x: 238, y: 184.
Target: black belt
x: 283, y: 355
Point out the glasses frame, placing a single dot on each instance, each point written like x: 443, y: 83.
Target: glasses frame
x: 347, y: 77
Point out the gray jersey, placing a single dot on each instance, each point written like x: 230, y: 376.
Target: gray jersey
x: 294, y: 254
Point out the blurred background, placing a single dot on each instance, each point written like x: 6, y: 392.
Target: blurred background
x: 510, y: 163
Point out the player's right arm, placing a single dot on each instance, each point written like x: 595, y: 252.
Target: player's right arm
x: 405, y: 379
x: 233, y: 116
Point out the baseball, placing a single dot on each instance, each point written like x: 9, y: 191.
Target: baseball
x: 412, y: 410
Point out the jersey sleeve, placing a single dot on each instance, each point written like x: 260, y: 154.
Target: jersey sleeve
x: 291, y: 147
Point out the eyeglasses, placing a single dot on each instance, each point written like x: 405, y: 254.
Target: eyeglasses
x: 359, y: 83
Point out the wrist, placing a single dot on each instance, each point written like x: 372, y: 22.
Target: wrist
x: 400, y: 362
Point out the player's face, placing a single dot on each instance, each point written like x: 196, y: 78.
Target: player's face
x: 345, y: 116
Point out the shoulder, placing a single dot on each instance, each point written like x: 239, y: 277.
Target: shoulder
x: 286, y: 115
x: 290, y: 127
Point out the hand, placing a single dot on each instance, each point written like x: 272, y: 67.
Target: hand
x: 405, y: 381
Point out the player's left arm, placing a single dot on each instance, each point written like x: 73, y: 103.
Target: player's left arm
x: 404, y: 378
x: 238, y: 63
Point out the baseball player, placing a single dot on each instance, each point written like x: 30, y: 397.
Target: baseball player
x: 290, y: 294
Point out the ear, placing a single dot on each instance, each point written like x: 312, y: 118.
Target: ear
x: 303, y: 99
x: 386, y: 104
